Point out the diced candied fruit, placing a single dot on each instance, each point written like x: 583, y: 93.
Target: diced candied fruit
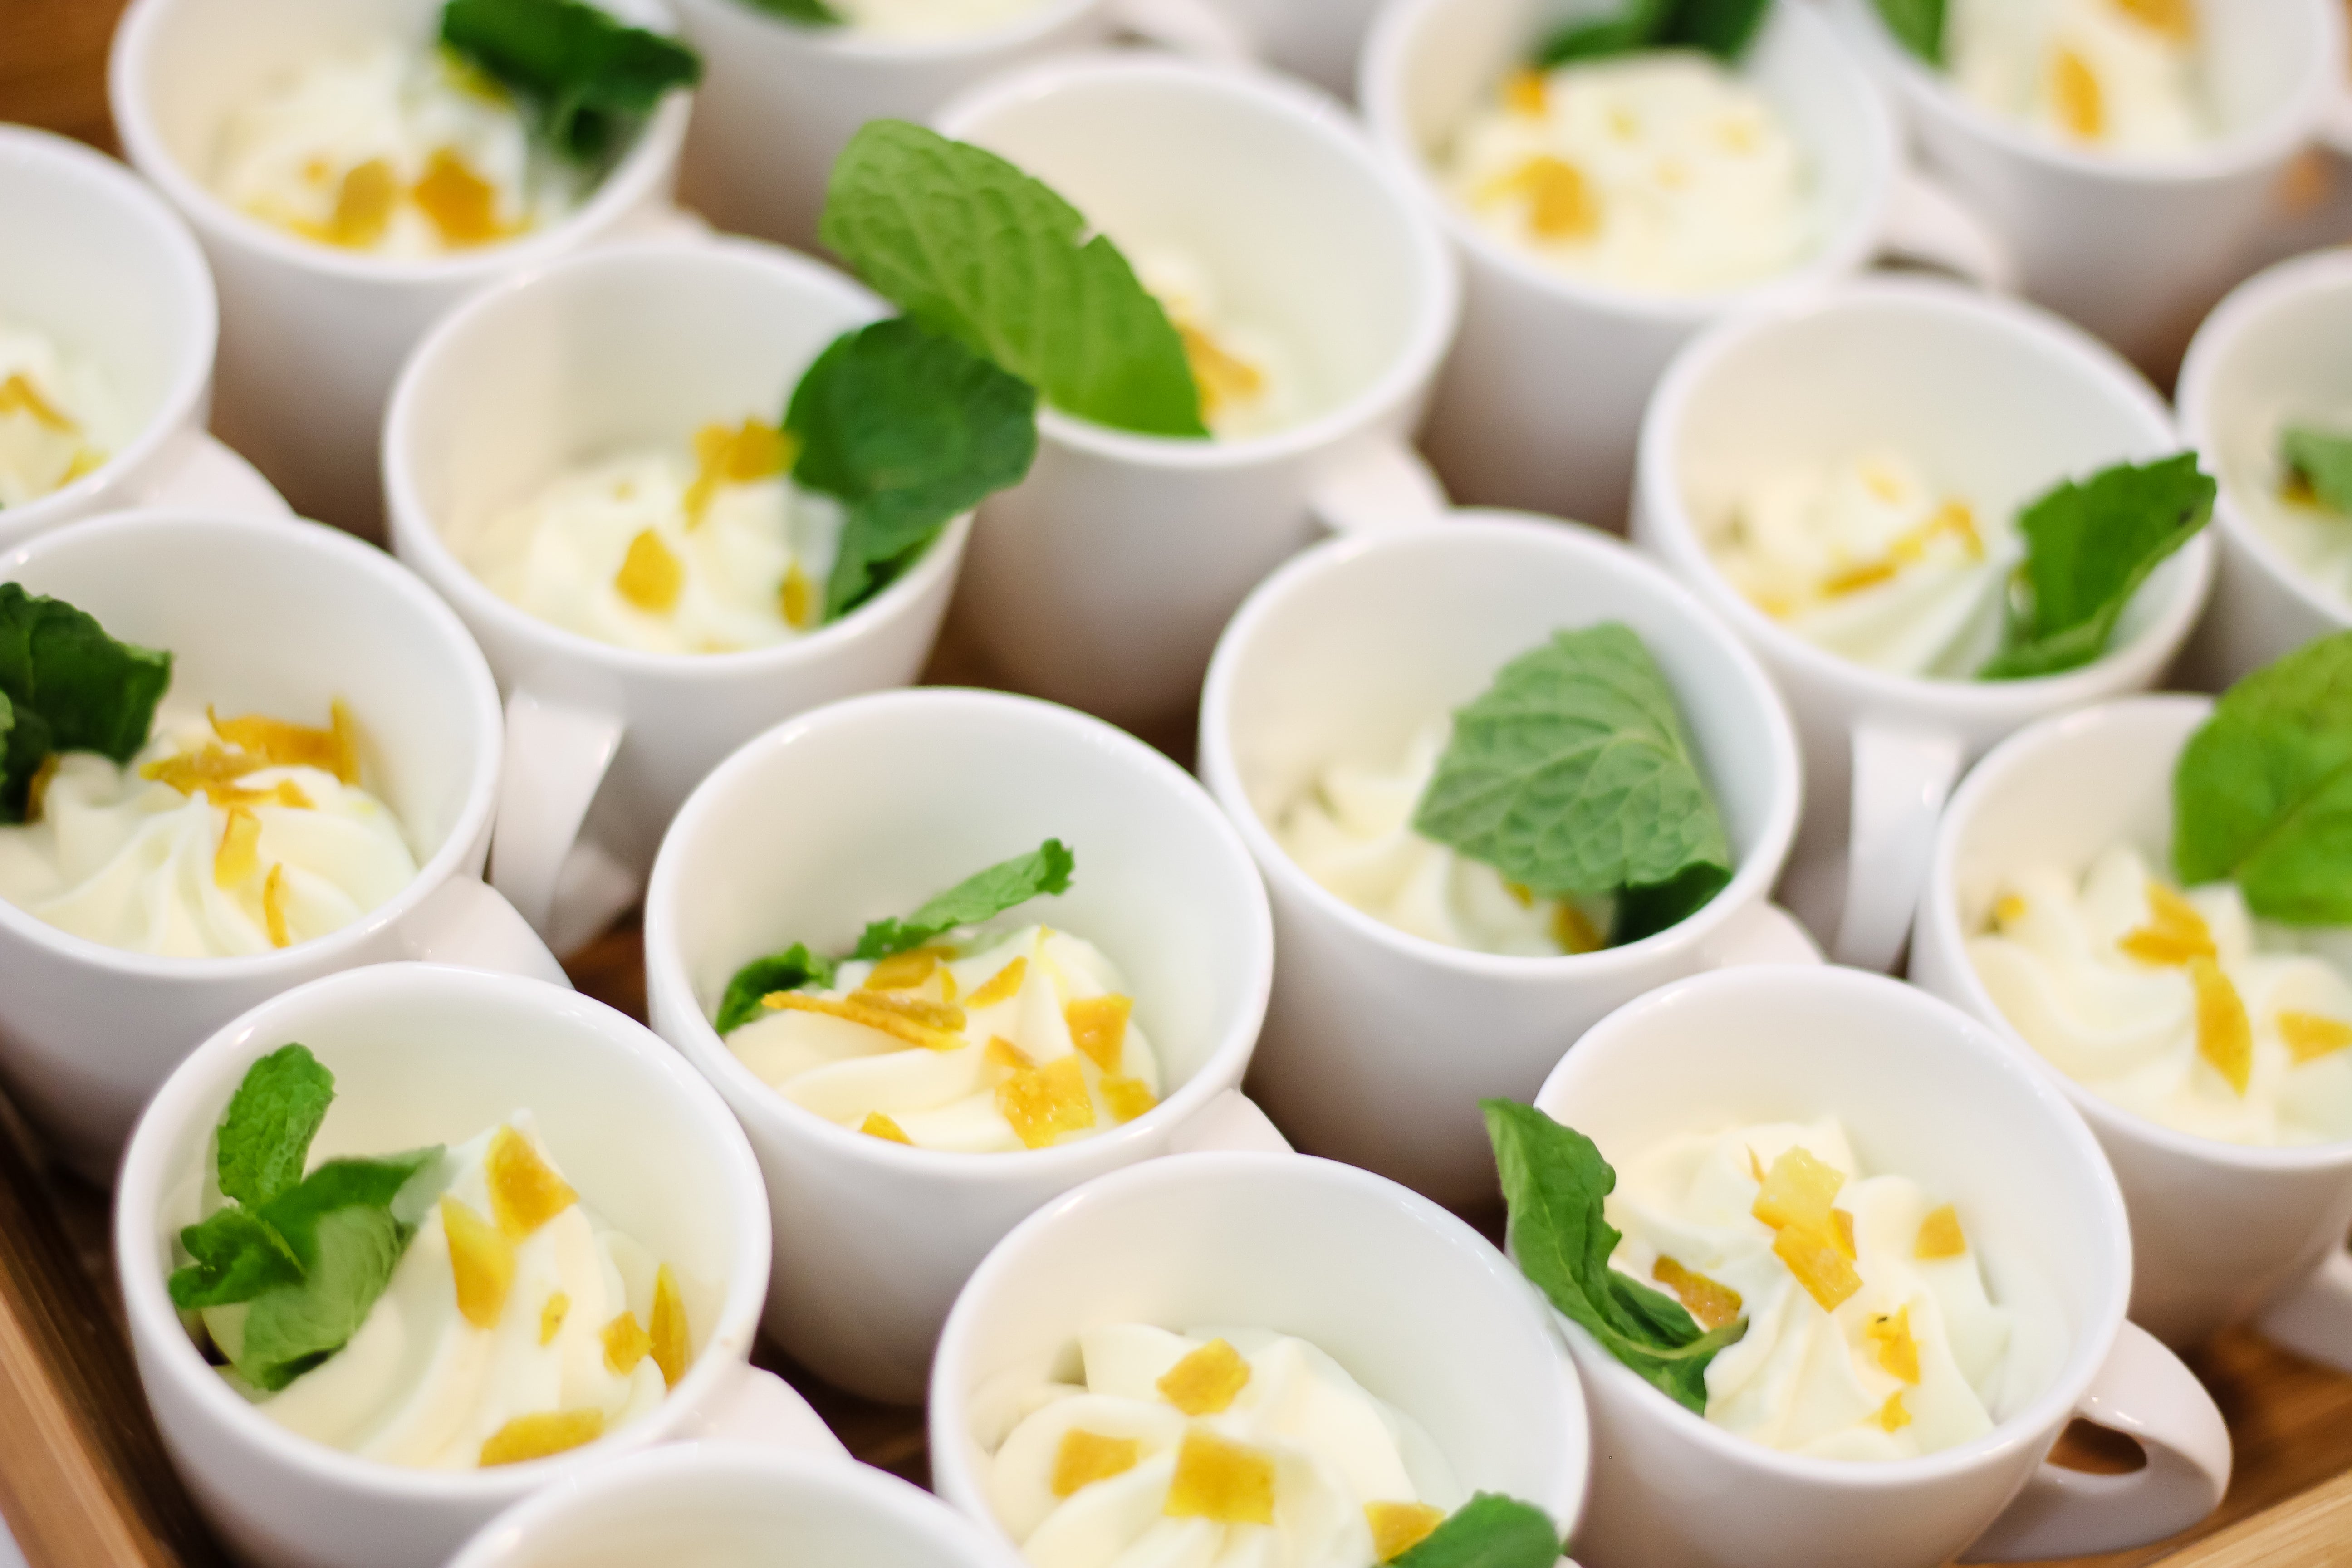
x: 239, y: 855
x: 1399, y: 1527
x: 651, y: 576
x: 902, y: 971
x: 2311, y: 1035
x: 2175, y: 19
x: 273, y: 907
x: 1798, y: 1191
x: 2225, y: 1037
x: 1524, y: 90
x: 738, y: 456
x: 1825, y: 1273
x: 2009, y: 910
x: 2175, y: 932
x: 1127, y: 1098
x: 1712, y: 1303
x: 481, y: 1260
x: 1223, y: 377
x: 1561, y: 203
x: 1892, y: 1416
x: 877, y: 1125
x: 1085, y: 1457
x: 462, y: 205
x: 1099, y: 1028
x: 525, y: 1191
x: 1043, y: 1104
x: 1004, y: 1053
x: 866, y: 1007
x: 1842, y: 1232
x: 280, y: 745
x: 1574, y: 931
x: 625, y: 1343
x: 535, y: 1436
x: 363, y: 205
x: 1898, y: 1353
x: 2074, y: 87
x: 1940, y: 1234
x: 998, y: 987
x: 1225, y: 1482
x: 552, y: 1315
x: 346, y: 732
x: 672, y: 1344
x: 1205, y: 1381
x: 796, y: 599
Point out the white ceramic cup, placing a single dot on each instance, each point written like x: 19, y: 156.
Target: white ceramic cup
x: 1321, y: 40
x: 271, y: 618
x: 311, y: 336
x: 422, y: 1054
x: 1420, y: 1309
x: 1379, y: 1045
x: 1926, y: 1092
x: 1542, y: 396
x: 627, y: 346
x: 2274, y: 353
x: 713, y: 1502
x: 2221, y: 1232
x: 1103, y: 580
x: 2138, y: 248
x: 864, y: 809
x: 1999, y: 400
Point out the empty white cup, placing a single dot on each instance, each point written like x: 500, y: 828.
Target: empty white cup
x: 279, y: 619
x: 1998, y: 401
x: 1379, y: 1043
x: 1102, y: 581
x: 1926, y: 1092
x: 863, y: 809
x: 310, y: 335
x: 628, y: 346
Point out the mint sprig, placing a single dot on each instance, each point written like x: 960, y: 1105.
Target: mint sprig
x: 1490, y: 1531
x: 66, y: 686
x: 2089, y: 546
x: 1043, y: 872
x: 588, y: 77
x: 972, y: 247
x: 1573, y: 775
x: 1554, y: 1181
x: 1917, y: 25
x: 815, y: 13
x: 1723, y: 28
x: 2322, y: 459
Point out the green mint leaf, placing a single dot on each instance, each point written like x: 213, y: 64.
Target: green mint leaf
x: 816, y: 13
x: 67, y: 687
x: 588, y: 77
x: 236, y: 1258
x: 970, y: 246
x: 2262, y: 792
x: 1723, y: 28
x: 265, y: 1138
x: 787, y: 971
x: 1490, y: 1531
x: 1003, y: 886
x: 1572, y: 773
x: 1660, y: 906
x: 909, y: 430
x: 2322, y: 460
x: 1554, y: 1181
x: 2088, y: 548
x: 1917, y: 25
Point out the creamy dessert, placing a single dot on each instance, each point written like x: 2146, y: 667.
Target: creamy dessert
x: 1660, y: 171
x: 1221, y: 1447
x: 918, y: 19
x: 1248, y: 383
x: 2179, y: 1007
x: 2122, y: 76
x: 57, y: 422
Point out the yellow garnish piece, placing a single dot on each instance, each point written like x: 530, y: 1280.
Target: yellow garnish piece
x: 2310, y: 1036
x: 1892, y: 1417
x: 903, y: 971
x: 625, y: 1344
x: 1004, y: 1053
x: 651, y: 577
x: 1953, y: 517
x: 796, y: 600
x: 871, y: 1010
x: 278, y: 744
x: 552, y: 1315
x: 947, y: 984
x: 1561, y: 203
x: 1853, y: 579
x: 363, y: 206
x: 1842, y: 1231
x: 2295, y: 488
x: 667, y: 1330
x: 1818, y: 1264
x: 1898, y: 1353
x: 1005, y: 983
x: 1525, y: 92
x: 1399, y: 1527
x: 481, y: 1259
x: 239, y: 855
x: 742, y: 456
x: 462, y: 205
x: 1085, y: 1457
x: 525, y: 1191
x: 37, y: 792
x: 2175, y: 19
x: 1574, y: 931
x: 1205, y: 1381
x: 273, y: 907
x: 1229, y: 1483
x: 1940, y: 1234
x: 1045, y: 1104
x: 1798, y: 1191
x: 1795, y: 1201
x: 2225, y: 1037
x: 1755, y: 1168
x: 1099, y: 1028
x: 537, y: 1437
x: 1127, y: 1098
x: 2082, y: 109
x: 1713, y: 1304
x: 2175, y: 932
x: 211, y: 770
x: 20, y: 395
x: 877, y: 1125
x: 1223, y: 377
x: 2009, y: 910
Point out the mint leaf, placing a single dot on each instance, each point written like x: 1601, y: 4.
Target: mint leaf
x: 265, y: 1138
x: 970, y: 246
x: 236, y: 1258
x: 1003, y: 886
x: 2088, y: 548
x: 1917, y: 25
x: 2321, y: 460
x: 907, y: 429
x: 588, y: 77
x: 66, y: 686
x: 816, y: 13
x: 1554, y: 1180
x: 1490, y: 1531
x: 787, y: 971
x: 2262, y: 792
x: 1723, y: 28
x: 1573, y: 774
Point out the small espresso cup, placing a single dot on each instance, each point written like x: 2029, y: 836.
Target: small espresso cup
x: 423, y: 1054
x: 2001, y: 400
x: 1542, y: 398
x: 1103, y: 580
x: 626, y: 346
x: 1416, y: 1307
x: 2274, y: 353
x: 273, y: 617
x: 2221, y: 1232
x: 1923, y: 1091
x: 1379, y: 1045
x: 311, y: 336
x: 864, y: 809
x: 2135, y: 247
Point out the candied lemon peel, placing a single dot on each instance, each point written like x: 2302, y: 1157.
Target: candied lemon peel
x: 1207, y: 1381
x: 1807, y: 1235
x: 651, y: 576
x: 552, y: 1315
x: 1043, y: 1103
x: 2175, y: 935
x: 1940, y: 1235
x: 625, y: 1343
x: 481, y: 1262
x: 2225, y: 1035
x: 1085, y: 1457
x: 1221, y: 1480
x: 672, y: 1345
x: 1399, y: 1527
x: 2311, y: 1035
x: 525, y: 1191
x: 1713, y: 1304
x: 1098, y: 1027
x: 1897, y: 1351
x: 538, y: 1435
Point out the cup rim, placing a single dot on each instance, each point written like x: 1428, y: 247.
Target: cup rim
x: 1472, y: 528
x: 1311, y: 114
x: 339, y: 552
x: 2091, y: 1342
x: 775, y: 1115
x: 176, y: 410
x: 1674, y: 536
x: 420, y: 541
x: 1939, y: 912
x: 638, y: 176
x: 202, y: 1084
x: 1845, y: 244
x: 1028, y: 28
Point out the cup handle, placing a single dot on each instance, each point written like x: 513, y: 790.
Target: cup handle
x: 2144, y: 1393
x: 1198, y: 28
x: 556, y: 756
x: 1927, y: 222
x: 1385, y: 487
x: 765, y: 1411
x: 464, y: 922
x: 2314, y: 1317
x: 200, y: 473
x: 1764, y: 933
x: 1231, y: 1121
x: 1901, y: 779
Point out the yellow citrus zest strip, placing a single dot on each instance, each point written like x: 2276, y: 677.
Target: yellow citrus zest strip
x: 482, y: 1262
x: 1940, y: 1234
x: 1712, y: 1303
x: 1099, y: 1028
x: 1085, y: 1457
x: 280, y: 745
x: 1898, y: 1353
x: 1223, y: 377
x: 1004, y: 1053
x: 671, y: 1343
x: 1043, y: 1104
x: 2175, y: 19
x: 1226, y: 1482
x: 1892, y: 1417
x: 651, y: 576
x: 867, y: 1009
x: 363, y: 206
x: 1525, y: 91
x: 1574, y: 931
x: 742, y: 456
x: 239, y: 855
x: 1399, y: 1527
x: 2311, y: 1035
x: 1808, y: 1236
x: 877, y: 1125
x: 552, y: 1315
x: 796, y: 600
x: 20, y: 395
x: 463, y: 205
x: 1206, y: 1381
x: 625, y: 1344
x: 2082, y: 109
x: 273, y: 907
x: 2225, y: 1037
x: 1005, y: 983
x: 1561, y: 203
x: 525, y: 1191
x: 538, y: 1435
x: 1127, y: 1098
x: 2175, y: 932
